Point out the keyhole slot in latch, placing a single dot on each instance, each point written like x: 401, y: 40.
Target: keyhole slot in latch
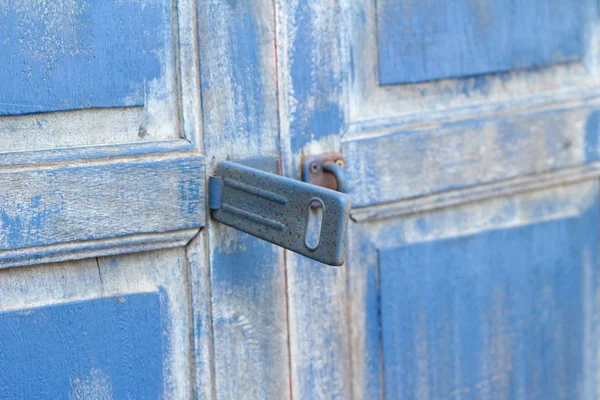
x: 315, y: 211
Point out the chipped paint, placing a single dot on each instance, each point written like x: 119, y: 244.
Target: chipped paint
x: 49, y: 43
x: 95, y: 385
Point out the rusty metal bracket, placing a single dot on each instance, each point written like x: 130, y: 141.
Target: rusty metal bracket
x: 325, y: 170
x: 278, y: 209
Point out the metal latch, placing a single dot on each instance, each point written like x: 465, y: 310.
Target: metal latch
x: 278, y: 209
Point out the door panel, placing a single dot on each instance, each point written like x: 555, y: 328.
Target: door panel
x: 506, y: 313
x: 406, y: 163
x: 99, y: 328
x: 71, y: 74
x: 51, y: 213
x: 111, y: 50
x: 497, y: 298
x: 428, y: 40
x: 110, y: 64
x: 374, y: 106
x: 113, y: 350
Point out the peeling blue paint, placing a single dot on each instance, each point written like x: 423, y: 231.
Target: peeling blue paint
x: 316, y: 87
x: 477, y: 84
x: 66, y: 55
x: 428, y: 40
x: 510, y: 312
x: 592, y: 131
x: 108, y: 346
x: 245, y: 273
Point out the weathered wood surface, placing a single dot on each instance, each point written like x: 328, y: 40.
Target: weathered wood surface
x: 121, y: 72
x: 110, y: 73
x: 463, y: 97
x: 110, y: 347
x: 140, y: 203
x: 313, y: 116
x: 427, y: 40
x: 440, y: 161
x: 68, y: 55
x: 410, y: 163
x: 450, y: 325
x: 67, y: 348
x: 247, y: 275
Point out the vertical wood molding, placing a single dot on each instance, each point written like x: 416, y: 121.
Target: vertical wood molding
x: 247, y: 275
x: 313, y: 115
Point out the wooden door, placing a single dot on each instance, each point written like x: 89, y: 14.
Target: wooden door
x: 114, y: 283
x: 470, y: 136
x: 102, y: 195
x: 469, y: 131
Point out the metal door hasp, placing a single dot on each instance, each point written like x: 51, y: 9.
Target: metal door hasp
x: 276, y: 209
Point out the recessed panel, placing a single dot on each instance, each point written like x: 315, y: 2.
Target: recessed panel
x: 504, y: 313
x: 77, y: 54
x: 96, y: 349
x: 434, y: 39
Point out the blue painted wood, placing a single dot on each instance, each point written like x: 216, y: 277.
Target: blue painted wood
x: 47, y: 209
x: 507, y: 313
x: 407, y: 163
x: 314, y: 116
x: 315, y: 85
x: 427, y: 40
x: 363, y: 270
x: 247, y: 275
x: 251, y: 319
x: 66, y: 55
x: 103, y: 348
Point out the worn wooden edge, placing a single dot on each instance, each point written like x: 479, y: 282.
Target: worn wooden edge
x: 451, y: 198
x: 200, y: 320
x: 95, y: 248
x: 416, y: 163
x: 369, y: 128
x: 188, y: 75
x: 362, y: 287
x: 74, y: 154
x: 96, y: 207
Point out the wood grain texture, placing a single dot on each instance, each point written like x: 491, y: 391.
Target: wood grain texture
x: 407, y: 164
x: 69, y: 55
x: 85, y: 153
x: 198, y: 263
x: 428, y: 40
x: 483, y: 354
x: 510, y: 312
x: 313, y: 116
x: 101, y: 348
x: 238, y: 80
x: 247, y: 275
x: 373, y: 103
x: 66, y: 298
x: 522, y: 184
x: 75, y: 202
